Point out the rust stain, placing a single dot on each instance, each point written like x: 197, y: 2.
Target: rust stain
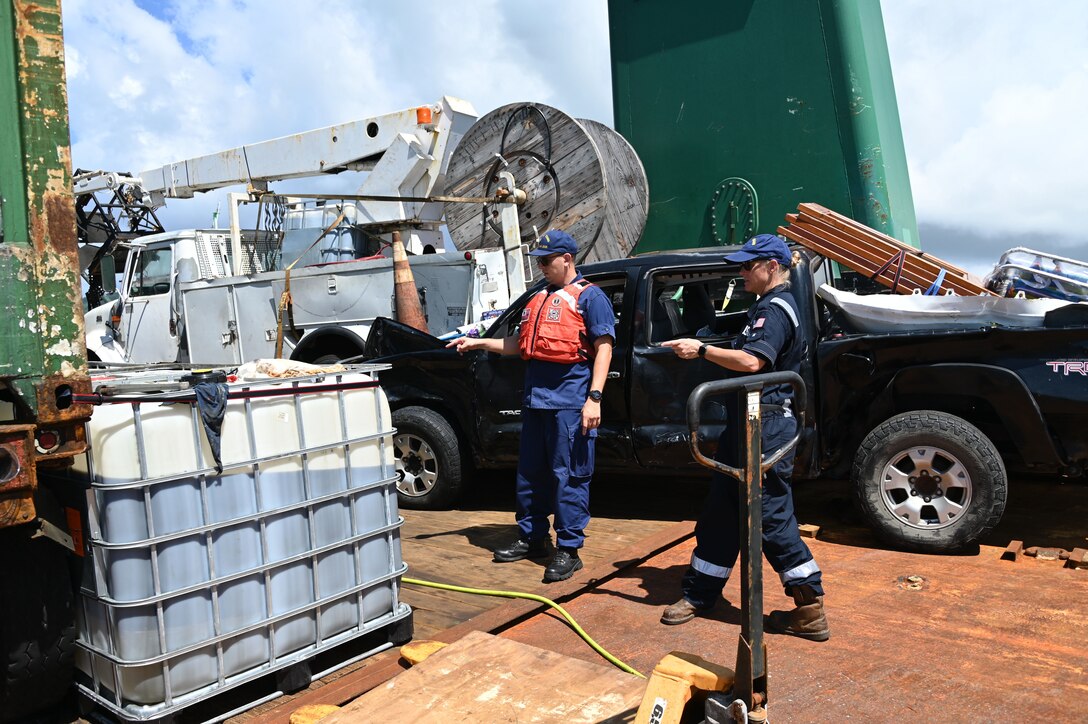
x: 48, y: 390
x: 48, y: 44
x: 60, y: 215
x: 878, y: 210
x: 17, y: 491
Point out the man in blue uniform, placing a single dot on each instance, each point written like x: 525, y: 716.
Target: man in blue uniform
x: 773, y: 341
x: 567, y: 334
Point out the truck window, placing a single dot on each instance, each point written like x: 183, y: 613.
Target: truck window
x: 710, y: 304
x: 151, y: 273
x: 613, y: 289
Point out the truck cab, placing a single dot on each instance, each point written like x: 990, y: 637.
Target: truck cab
x: 180, y: 300
x: 146, y: 323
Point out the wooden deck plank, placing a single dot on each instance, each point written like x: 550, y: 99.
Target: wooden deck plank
x: 486, y: 678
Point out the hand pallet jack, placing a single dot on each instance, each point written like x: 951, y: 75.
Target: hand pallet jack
x: 747, y: 699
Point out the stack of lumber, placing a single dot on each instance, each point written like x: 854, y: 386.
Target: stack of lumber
x: 902, y: 268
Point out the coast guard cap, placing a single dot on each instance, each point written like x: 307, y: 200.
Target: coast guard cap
x: 763, y: 246
x: 555, y: 242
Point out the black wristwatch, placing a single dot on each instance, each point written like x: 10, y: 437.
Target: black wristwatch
x: 595, y: 395
x: 702, y: 349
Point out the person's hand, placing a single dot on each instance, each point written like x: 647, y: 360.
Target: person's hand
x: 591, y: 416
x: 464, y: 344
x: 684, y: 348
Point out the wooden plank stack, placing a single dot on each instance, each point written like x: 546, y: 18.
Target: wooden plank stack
x: 894, y: 264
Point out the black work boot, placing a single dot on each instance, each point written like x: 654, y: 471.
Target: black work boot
x: 807, y: 621
x: 522, y: 549
x: 563, y: 565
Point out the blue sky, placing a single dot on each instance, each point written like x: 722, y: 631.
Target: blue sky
x: 992, y: 95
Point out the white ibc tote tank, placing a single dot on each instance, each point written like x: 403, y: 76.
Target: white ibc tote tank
x: 201, y: 581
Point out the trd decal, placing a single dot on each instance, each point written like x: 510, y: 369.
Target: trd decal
x: 1069, y: 367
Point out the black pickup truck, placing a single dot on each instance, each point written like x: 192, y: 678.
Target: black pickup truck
x: 925, y: 423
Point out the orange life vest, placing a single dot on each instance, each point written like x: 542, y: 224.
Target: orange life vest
x: 552, y: 328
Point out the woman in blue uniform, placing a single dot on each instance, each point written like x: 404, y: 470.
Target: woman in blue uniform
x: 773, y: 341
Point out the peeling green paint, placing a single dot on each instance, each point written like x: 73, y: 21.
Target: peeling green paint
x: 41, y: 321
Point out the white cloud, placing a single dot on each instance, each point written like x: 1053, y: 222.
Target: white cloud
x: 145, y: 91
x: 127, y: 92
x: 992, y: 98
x: 991, y: 94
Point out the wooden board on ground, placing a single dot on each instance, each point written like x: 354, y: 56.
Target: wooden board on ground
x: 484, y: 678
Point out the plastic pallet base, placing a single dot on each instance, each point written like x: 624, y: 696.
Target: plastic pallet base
x: 286, y: 680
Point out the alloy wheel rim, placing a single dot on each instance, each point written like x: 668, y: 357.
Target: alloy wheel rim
x: 417, y: 465
x: 926, y: 487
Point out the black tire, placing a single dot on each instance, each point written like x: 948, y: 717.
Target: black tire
x: 428, y: 459
x: 37, y: 624
x: 929, y: 481
x: 327, y: 359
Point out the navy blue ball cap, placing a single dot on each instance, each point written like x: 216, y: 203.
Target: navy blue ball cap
x: 555, y: 242
x: 763, y: 246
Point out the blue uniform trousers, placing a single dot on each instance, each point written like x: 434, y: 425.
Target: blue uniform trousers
x: 717, y: 532
x: 555, y: 466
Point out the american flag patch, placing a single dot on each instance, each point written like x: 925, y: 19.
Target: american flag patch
x: 759, y: 323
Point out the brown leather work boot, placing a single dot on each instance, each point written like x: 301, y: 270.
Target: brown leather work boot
x: 807, y: 621
x: 680, y: 612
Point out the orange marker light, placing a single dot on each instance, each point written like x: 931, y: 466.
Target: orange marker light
x: 423, y: 115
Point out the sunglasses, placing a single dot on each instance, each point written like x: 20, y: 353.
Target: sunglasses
x: 750, y: 265
x: 546, y: 260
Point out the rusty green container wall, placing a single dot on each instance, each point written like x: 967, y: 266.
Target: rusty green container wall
x: 794, y: 97
x: 41, y: 322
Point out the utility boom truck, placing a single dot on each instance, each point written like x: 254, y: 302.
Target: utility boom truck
x: 308, y: 284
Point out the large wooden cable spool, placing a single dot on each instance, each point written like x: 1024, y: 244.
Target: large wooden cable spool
x: 628, y: 194
x: 578, y: 176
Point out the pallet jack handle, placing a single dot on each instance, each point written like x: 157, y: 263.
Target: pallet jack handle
x: 750, y: 685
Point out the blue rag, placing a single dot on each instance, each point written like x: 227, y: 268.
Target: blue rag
x: 211, y: 401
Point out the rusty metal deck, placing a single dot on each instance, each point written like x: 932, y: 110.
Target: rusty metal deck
x: 972, y: 636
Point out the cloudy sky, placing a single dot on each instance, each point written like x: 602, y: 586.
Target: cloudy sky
x: 993, y: 94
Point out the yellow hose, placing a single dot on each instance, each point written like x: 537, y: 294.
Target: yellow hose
x: 532, y: 597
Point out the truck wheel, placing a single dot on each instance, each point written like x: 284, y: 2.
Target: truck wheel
x: 428, y: 459
x: 37, y: 625
x: 929, y: 481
